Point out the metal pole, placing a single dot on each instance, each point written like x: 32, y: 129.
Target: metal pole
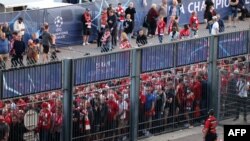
x: 219, y: 96
x: 67, y: 99
x: 1, y: 84
x: 213, y: 73
x: 134, y: 93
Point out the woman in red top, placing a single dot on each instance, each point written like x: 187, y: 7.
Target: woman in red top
x: 124, y: 41
x: 86, y: 26
x: 194, y: 24
x: 161, y: 29
x: 185, y: 33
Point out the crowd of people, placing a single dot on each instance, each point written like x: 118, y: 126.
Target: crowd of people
x: 14, y: 48
x: 116, y: 28
x: 101, y: 110
x: 117, y: 24
x: 171, y: 98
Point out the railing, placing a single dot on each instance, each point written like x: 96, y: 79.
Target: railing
x: 129, y: 76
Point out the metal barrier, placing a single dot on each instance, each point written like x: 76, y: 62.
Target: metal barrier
x: 101, y: 81
x: 171, y: 101
x: 233, y: 44
x: 233, y: 97
x: 34, y: 117
x: 103, y: 67
x: 101, y: 111
x: 30, y: 80
x: 192, y: 51
x: 157, y: 57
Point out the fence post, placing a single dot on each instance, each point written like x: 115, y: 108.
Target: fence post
x: 248, y: 42
x: 213, y: 73
x: 67, y: 84
x: 134, y: 92
x: 1, y: 85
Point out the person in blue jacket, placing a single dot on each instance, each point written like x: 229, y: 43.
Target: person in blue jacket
x: 4, y: 50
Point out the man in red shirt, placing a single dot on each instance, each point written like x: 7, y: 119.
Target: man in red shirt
x: 180, y: 96
x: 185, y: 33
x: 121, y: 18
x: 44, y: 122
x: 113, y: 110
x: 197, y: 94
x: 209, y: 130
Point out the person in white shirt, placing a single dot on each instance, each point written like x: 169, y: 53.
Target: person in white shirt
x: 242, y: 89
x: 19, y: 26
x: 122, y: 114
x: 215, y: 26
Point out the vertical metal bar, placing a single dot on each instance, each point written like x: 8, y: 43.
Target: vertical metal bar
x: 67, y: 98
x: 134, y: 92
x: 248, y: 41
x: 212, y: 72
x: 1, y: 84
x: 219, y: 96
x: 175, y: 56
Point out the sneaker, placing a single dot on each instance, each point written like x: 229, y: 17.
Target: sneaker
x: 83, y: 44
x: 87, y: 43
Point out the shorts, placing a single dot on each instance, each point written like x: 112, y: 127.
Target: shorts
x: 45, y: 49
x: 211, y: 137
x: 234, y: 11
x: 86, y: 31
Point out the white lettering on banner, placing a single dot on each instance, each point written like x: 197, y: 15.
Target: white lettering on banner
x: 61, y: 35
x: 200, y: 5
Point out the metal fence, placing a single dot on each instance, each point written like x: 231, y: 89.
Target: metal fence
x: 169, y: 101
x: 234, y: 96
x: 124, y: 95
x: 34, y: 117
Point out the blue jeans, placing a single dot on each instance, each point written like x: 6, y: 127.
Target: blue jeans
x: 160, y: 37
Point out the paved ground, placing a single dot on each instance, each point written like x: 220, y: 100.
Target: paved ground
x: 79, y: 51
x: 195, y: 134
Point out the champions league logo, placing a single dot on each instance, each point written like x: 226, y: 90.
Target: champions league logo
x: 60, y: 34
x: 58, y: 21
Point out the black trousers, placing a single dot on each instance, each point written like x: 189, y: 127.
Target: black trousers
x: 243, y: 11
x: 241, y: 102
x: 152, y: 28
x: 17, y: 59
x: 114, y: 35
x: 211, y: 137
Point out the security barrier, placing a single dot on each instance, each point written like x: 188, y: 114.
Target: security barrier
x: 168, y: 86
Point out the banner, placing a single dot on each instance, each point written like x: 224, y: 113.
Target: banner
x: 192, y: 51
x: 157, y: 57
x: 232, y: 44
x: 29, y: 80
x: 104, y: 67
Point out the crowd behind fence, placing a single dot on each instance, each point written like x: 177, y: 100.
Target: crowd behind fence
x: 234, y: 92
x: 173, y: 94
